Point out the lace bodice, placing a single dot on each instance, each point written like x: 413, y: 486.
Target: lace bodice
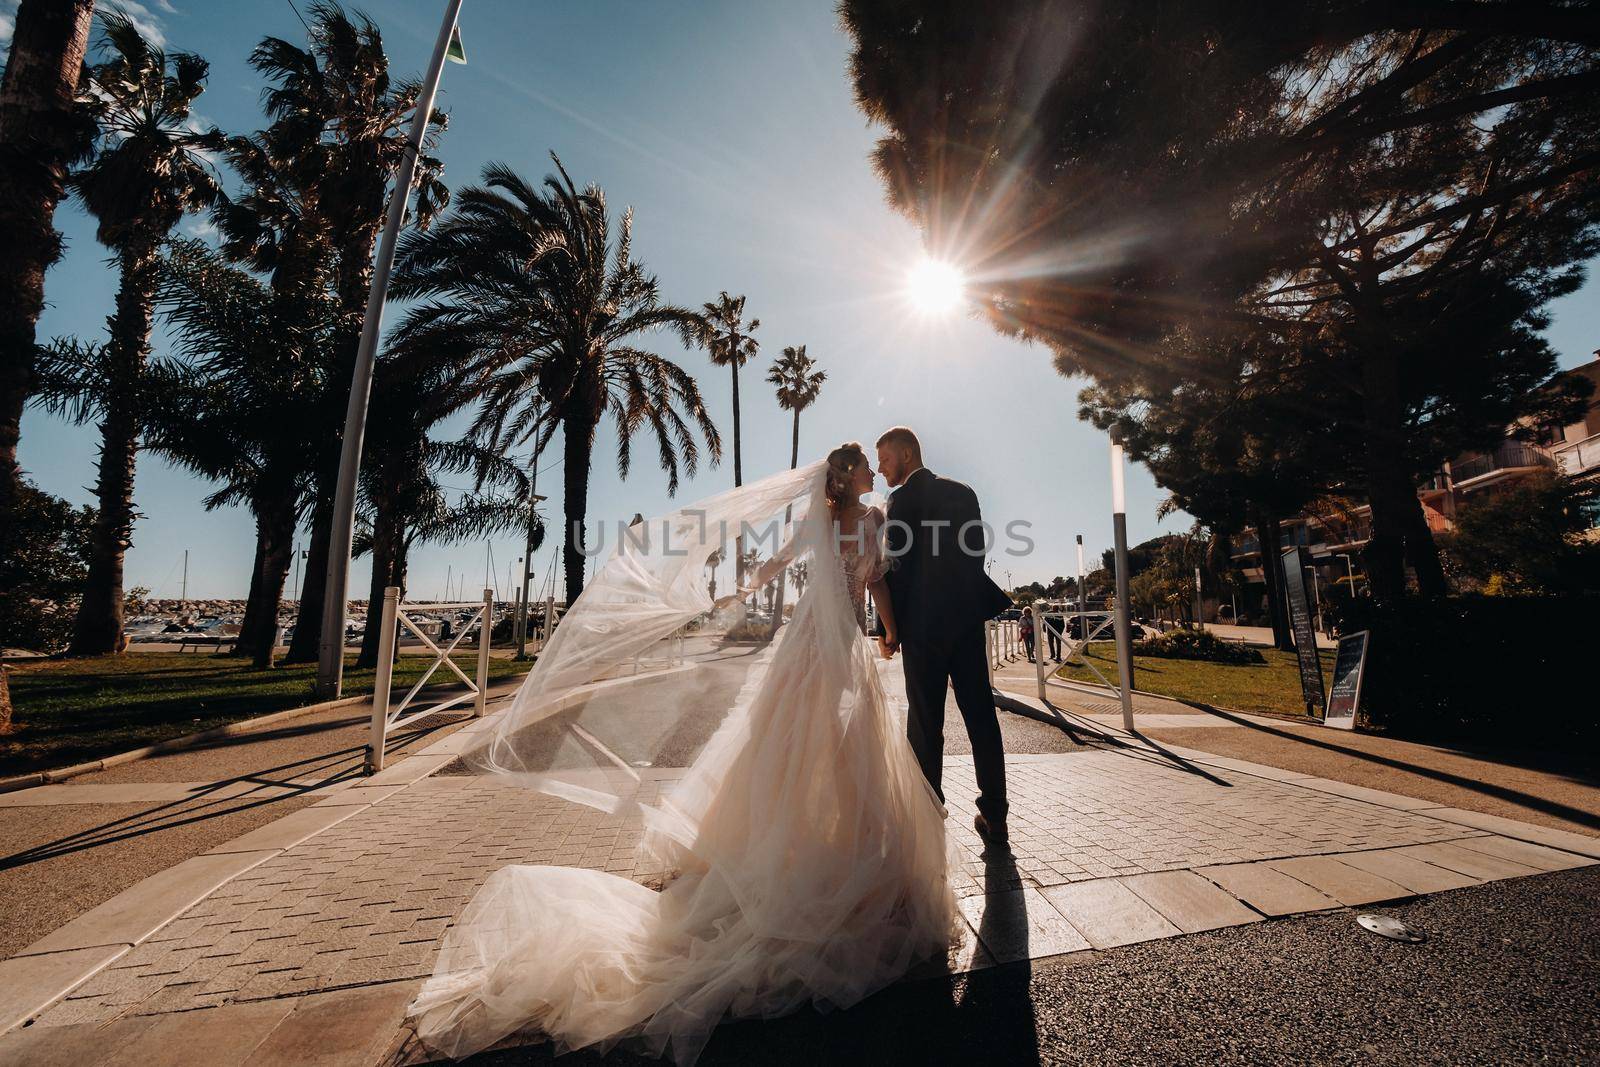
x: 862, y: 559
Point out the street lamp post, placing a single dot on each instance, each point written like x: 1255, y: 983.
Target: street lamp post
x: 1124, y: 617
x: 330, y: 662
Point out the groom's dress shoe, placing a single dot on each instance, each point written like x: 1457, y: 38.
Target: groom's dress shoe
x: 994, y: 833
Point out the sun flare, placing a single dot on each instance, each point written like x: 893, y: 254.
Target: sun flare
x: 936, y: 287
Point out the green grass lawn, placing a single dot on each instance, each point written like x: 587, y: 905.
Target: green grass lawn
x: 73, y: 710
x: 1271, y: 686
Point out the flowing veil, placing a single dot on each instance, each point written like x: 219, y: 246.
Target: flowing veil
x: 647, y: 612
x: 802, y: 852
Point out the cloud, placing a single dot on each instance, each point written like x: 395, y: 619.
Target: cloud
x: 6, y: 26
x: 147, y: 22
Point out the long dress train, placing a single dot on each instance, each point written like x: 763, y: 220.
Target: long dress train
x: 809, y: 857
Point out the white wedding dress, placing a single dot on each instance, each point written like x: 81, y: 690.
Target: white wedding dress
x: 808, y: 858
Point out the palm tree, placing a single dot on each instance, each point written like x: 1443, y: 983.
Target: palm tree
x: 148, y: 172
x: 235, y: 412
x: 43, y: 132
x: 550, y: 307
x: 798, y: 385
x: 414, y: 389
x: 724, y: 334
x: 340, y: 121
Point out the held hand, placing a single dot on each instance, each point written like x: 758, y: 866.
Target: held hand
x: 732, y: 598
x: 888, y: 644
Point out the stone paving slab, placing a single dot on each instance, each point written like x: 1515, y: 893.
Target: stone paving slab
x: 29, y: 984
x: 1344, y: 883
x: 1414, y: 874
x: 1536, y: 856
x: 1020, y: 924
x: 1479, y: 865
x: 73, y: 1046
x: 1108, y: 913
x: 1190, y: 902
x: 1268, y: 890
x: 1542, y: 835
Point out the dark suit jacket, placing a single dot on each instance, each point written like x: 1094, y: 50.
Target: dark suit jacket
x: 938, y: 590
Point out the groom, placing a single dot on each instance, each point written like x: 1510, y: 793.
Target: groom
x: 941, y: 598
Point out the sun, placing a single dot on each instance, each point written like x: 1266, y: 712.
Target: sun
x: 936, y: 287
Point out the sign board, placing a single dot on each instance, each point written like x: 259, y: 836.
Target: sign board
x: 1344, y: 698
x: 1305, y: 633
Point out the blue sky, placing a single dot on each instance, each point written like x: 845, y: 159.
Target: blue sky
x: 730, y: 130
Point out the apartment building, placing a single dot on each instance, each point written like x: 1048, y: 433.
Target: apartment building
x: 1335, y: 532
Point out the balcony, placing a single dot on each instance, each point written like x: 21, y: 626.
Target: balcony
x: 1578, y: 458
x: 1511, y: 456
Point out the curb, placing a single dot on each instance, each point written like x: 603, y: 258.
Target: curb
x: 173, y: 744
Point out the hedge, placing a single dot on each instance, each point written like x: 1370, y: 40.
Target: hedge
x: 1514, y: 671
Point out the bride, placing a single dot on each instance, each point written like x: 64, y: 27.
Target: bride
x: 806, y: 852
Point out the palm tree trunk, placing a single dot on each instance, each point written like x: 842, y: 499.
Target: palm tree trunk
x: 794, y: 461
x: 386, y: 540
x: 258, y: 633
x: 38, y: 139
x: 738, y: 468
x: 304, y: 648
x: 98, y: 629
x: 738, y: 471
x: 578, y: 432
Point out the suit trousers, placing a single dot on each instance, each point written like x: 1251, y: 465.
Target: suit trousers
x: 959, y: 660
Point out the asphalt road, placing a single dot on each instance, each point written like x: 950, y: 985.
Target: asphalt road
x: 1510, y: 973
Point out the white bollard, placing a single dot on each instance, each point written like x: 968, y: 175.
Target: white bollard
x: 1038, y: 660
x: 385, y: 677
x: 484, y: 635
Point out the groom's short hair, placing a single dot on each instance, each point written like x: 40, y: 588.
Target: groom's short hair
x: 902, y: 437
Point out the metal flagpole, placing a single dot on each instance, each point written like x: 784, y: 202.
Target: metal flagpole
x: 1124, y: 617
x: 330, y: 662
x: 1083, y: 598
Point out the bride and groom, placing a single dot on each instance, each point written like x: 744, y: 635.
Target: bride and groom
x: 805, y: 850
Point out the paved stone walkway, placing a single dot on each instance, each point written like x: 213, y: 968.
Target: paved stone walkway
x: 368, y: 899
x: 350, y: 898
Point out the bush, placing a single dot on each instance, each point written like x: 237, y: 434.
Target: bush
x: 1196, y: 644
x: 1514, y: 671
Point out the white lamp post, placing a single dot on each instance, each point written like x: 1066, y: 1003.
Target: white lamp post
x: 330, y: 660
x: 1124, y: 617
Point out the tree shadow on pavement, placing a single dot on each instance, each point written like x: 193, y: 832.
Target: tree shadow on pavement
x: 1518, y: 797
x: 213, y: 800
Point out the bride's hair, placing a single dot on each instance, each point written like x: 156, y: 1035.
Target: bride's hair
x: 842, y: 464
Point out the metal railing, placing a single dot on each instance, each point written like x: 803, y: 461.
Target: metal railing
x: 1509, y: 454
x: 1578, y: 457
x: 395, y: 614
x: 1072, y: 649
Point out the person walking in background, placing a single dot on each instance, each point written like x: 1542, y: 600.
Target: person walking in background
x: 1054, y: 620
x: 1025, y: 626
